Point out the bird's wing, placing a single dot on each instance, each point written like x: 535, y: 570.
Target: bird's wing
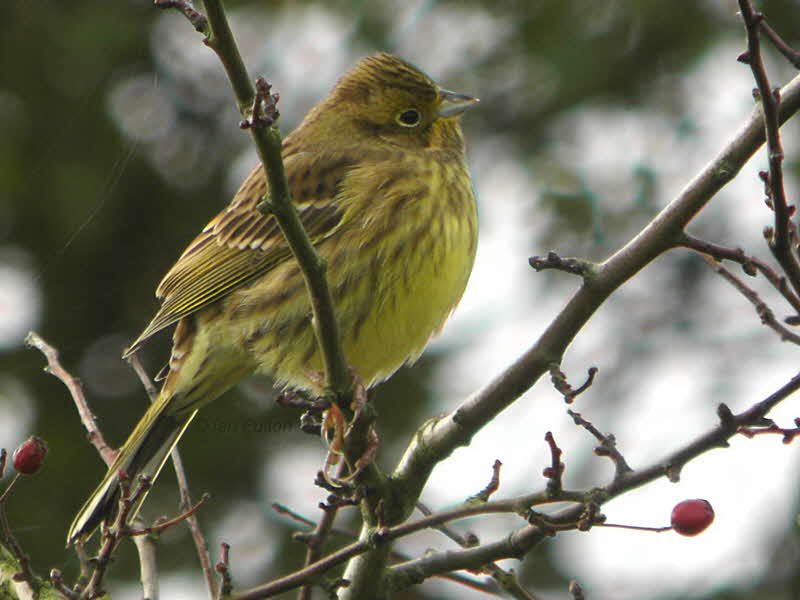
x: 241, y: 244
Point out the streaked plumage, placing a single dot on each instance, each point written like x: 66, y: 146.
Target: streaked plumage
x: 388, y: 203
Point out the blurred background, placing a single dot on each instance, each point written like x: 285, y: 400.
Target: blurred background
x: 119, y: 141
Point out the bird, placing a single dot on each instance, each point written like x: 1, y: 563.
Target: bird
x: 378, y: 174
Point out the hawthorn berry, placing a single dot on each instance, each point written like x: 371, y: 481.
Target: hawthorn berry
x: 691, y: 517
x: 29, y: 455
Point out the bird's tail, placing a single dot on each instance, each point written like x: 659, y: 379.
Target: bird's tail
x: 144, y: 453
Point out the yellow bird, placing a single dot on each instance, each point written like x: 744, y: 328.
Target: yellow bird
x: 378, y: 175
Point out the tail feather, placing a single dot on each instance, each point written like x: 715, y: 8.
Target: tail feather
x: 144, y: 453
x: 200, y: 370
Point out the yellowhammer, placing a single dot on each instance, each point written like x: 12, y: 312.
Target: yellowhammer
x: 378, y: 175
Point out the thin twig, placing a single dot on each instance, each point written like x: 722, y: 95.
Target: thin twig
x: 223, y: 568
x: 9, y: 487
x: 200, y: 543
x: 481, y: 586
x: 112, y: 535
x: 464, y: 541
x: 607, y: 447
x: 505, y: 580
x: 750, y: 265
x: 762, y: 309
x: 149, y: 387
x: 780, y: 241
x: 518, y: 543
x: 792, y: 55
x: 315, y: 541
x: 162, y: 525
x: 54, y: 367
x: 492, y: 486
x: 311, y: 572
x: 788, y: 434
x: 562, y: 385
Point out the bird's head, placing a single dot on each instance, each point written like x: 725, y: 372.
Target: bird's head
x: 384, y: 98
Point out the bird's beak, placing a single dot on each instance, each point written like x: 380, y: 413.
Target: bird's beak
x: 453, y: 104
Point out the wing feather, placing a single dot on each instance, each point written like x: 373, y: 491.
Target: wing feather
x: 241, y: 244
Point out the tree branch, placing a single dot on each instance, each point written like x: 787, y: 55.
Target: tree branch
x: 764, y: 312
x: 54, y: 367
x: 267, y: 139
x: 523, y: 540
x: 780, y: 240
x: 750, y: 264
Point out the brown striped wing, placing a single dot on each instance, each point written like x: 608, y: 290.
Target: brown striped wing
x: 241, y: 244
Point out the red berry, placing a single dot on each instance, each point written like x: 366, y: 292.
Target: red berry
x: 691, y: 517
x: 29, y: 455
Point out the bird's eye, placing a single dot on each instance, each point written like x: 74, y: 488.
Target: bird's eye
x: 408, y: 118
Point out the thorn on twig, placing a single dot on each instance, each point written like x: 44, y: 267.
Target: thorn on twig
x: 765, y: 179
x: 607, y: 447
x: 744, y: 58
x: 264, y: 111
x: 223, y: 568
x: 162, y: 524
x: 772, y: 428
x: 196, y: 18
x: 559, y: 380
x: 492, y: 486
x: 573, y: 266
x: 726, y: 416
x: 556, y: 469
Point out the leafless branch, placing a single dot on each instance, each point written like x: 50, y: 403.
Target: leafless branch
x: 751, y: 265
x: 781, y: 240
x: 764, y: 312
x: 54, y: 367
